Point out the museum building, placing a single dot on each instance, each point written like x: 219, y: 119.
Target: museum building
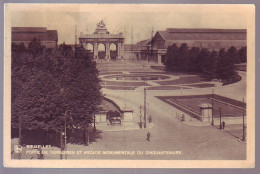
x: 212, y: 39
x: 25, y: 35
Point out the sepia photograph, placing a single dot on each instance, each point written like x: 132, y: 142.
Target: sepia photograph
x: 129, y: 85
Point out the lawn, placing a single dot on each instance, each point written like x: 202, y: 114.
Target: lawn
x: 109, y: 72
x: 120, y: 87
x: 202, y: 85
x: 124, y: 83
x: 229, y: 107
x: 166, y: 88
x: 183, y: 80
x: 193, y: 104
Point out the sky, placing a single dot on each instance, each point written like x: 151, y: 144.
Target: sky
x: 139, y: 19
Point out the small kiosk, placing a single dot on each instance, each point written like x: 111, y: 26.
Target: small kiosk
x: 206, y: 112
x: 101, y: 117
x: 127, y: 117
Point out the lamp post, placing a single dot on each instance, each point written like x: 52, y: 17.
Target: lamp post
x: 94, y: 122
x: 61, y: 142
x: 212, y: 120
x: 220, y: 126
x: 144, y: 107
x: 243, y: 138
x: 140, y: 116
x: 65, y: 132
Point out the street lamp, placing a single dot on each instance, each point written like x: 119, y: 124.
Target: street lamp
x: 65, y: 132
x: 140, y: 116
x: 144, y: 107
x: 220, y: 126
x: 61, y: 142
x: 212, y: 99
x: 243, y: 138
x: 94, y: 122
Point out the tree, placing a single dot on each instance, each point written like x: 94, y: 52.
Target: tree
x: 210, y: 64
x: 171, y: 56
x: 243, y: 54
x: 193, y: 59
x: 225, y: 67
x: 199, y: 63
x: 233, y: 54
x: 65, y: 49
x: 209, y: 67
x: 52, y: 83
x: 183, y: 57
x: 18, y: 48
x: 35, y: 48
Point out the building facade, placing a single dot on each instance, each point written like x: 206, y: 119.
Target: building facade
x: 212, y: 39
x: 138, y: 51
x: 155, y: 49
x: 25, y: 35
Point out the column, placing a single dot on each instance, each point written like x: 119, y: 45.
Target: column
x: 95, y: 50
x: 122, y: 50
x: 107, y: 47
x: 118, y: 50
x: 159, y: 58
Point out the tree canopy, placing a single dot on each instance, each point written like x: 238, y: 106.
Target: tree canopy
x: 211, y: 64
x: 47, y: 83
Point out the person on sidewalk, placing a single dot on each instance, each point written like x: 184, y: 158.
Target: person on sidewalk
x: 148, y: 136
x: 223, y: 124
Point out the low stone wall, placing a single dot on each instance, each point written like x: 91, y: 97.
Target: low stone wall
x: 230, y: 120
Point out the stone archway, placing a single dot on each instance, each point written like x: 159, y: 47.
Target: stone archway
x: 113, y: 51
x: 90, y: 49
x: 101, y: 51
x: 102, y: 36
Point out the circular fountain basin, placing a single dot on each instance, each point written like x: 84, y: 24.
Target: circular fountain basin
x: 136, y: 77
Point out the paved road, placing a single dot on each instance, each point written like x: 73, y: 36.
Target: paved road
x: 168, y: 133
x: 194, y: 142
x: 180, y: 140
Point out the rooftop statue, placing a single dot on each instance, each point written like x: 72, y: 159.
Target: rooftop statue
x: 101, y: 24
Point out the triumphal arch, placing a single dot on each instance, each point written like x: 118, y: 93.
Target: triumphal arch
x: 102, y: 36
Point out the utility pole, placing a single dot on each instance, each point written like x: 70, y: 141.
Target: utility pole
x: 144, y: 107
x: 243, y: 138
x: 125, y: 31
x: 220, y: 126
x: 65, y: 135
x: 151, y: 45
x: 65, y: 132
x: 132, y: 41
x: 61, y: 142
x: 140, y: 116
x: 75, y: 41
x: 212, y: 100
x: 94, y: 122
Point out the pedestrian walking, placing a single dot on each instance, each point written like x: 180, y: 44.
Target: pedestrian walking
x: 150, y: 119
x: 141, y: 125
x: 223, y: 124
x: 148, y: 136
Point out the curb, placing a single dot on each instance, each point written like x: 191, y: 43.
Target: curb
x: 128, y: 129
x: 195, y: 124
